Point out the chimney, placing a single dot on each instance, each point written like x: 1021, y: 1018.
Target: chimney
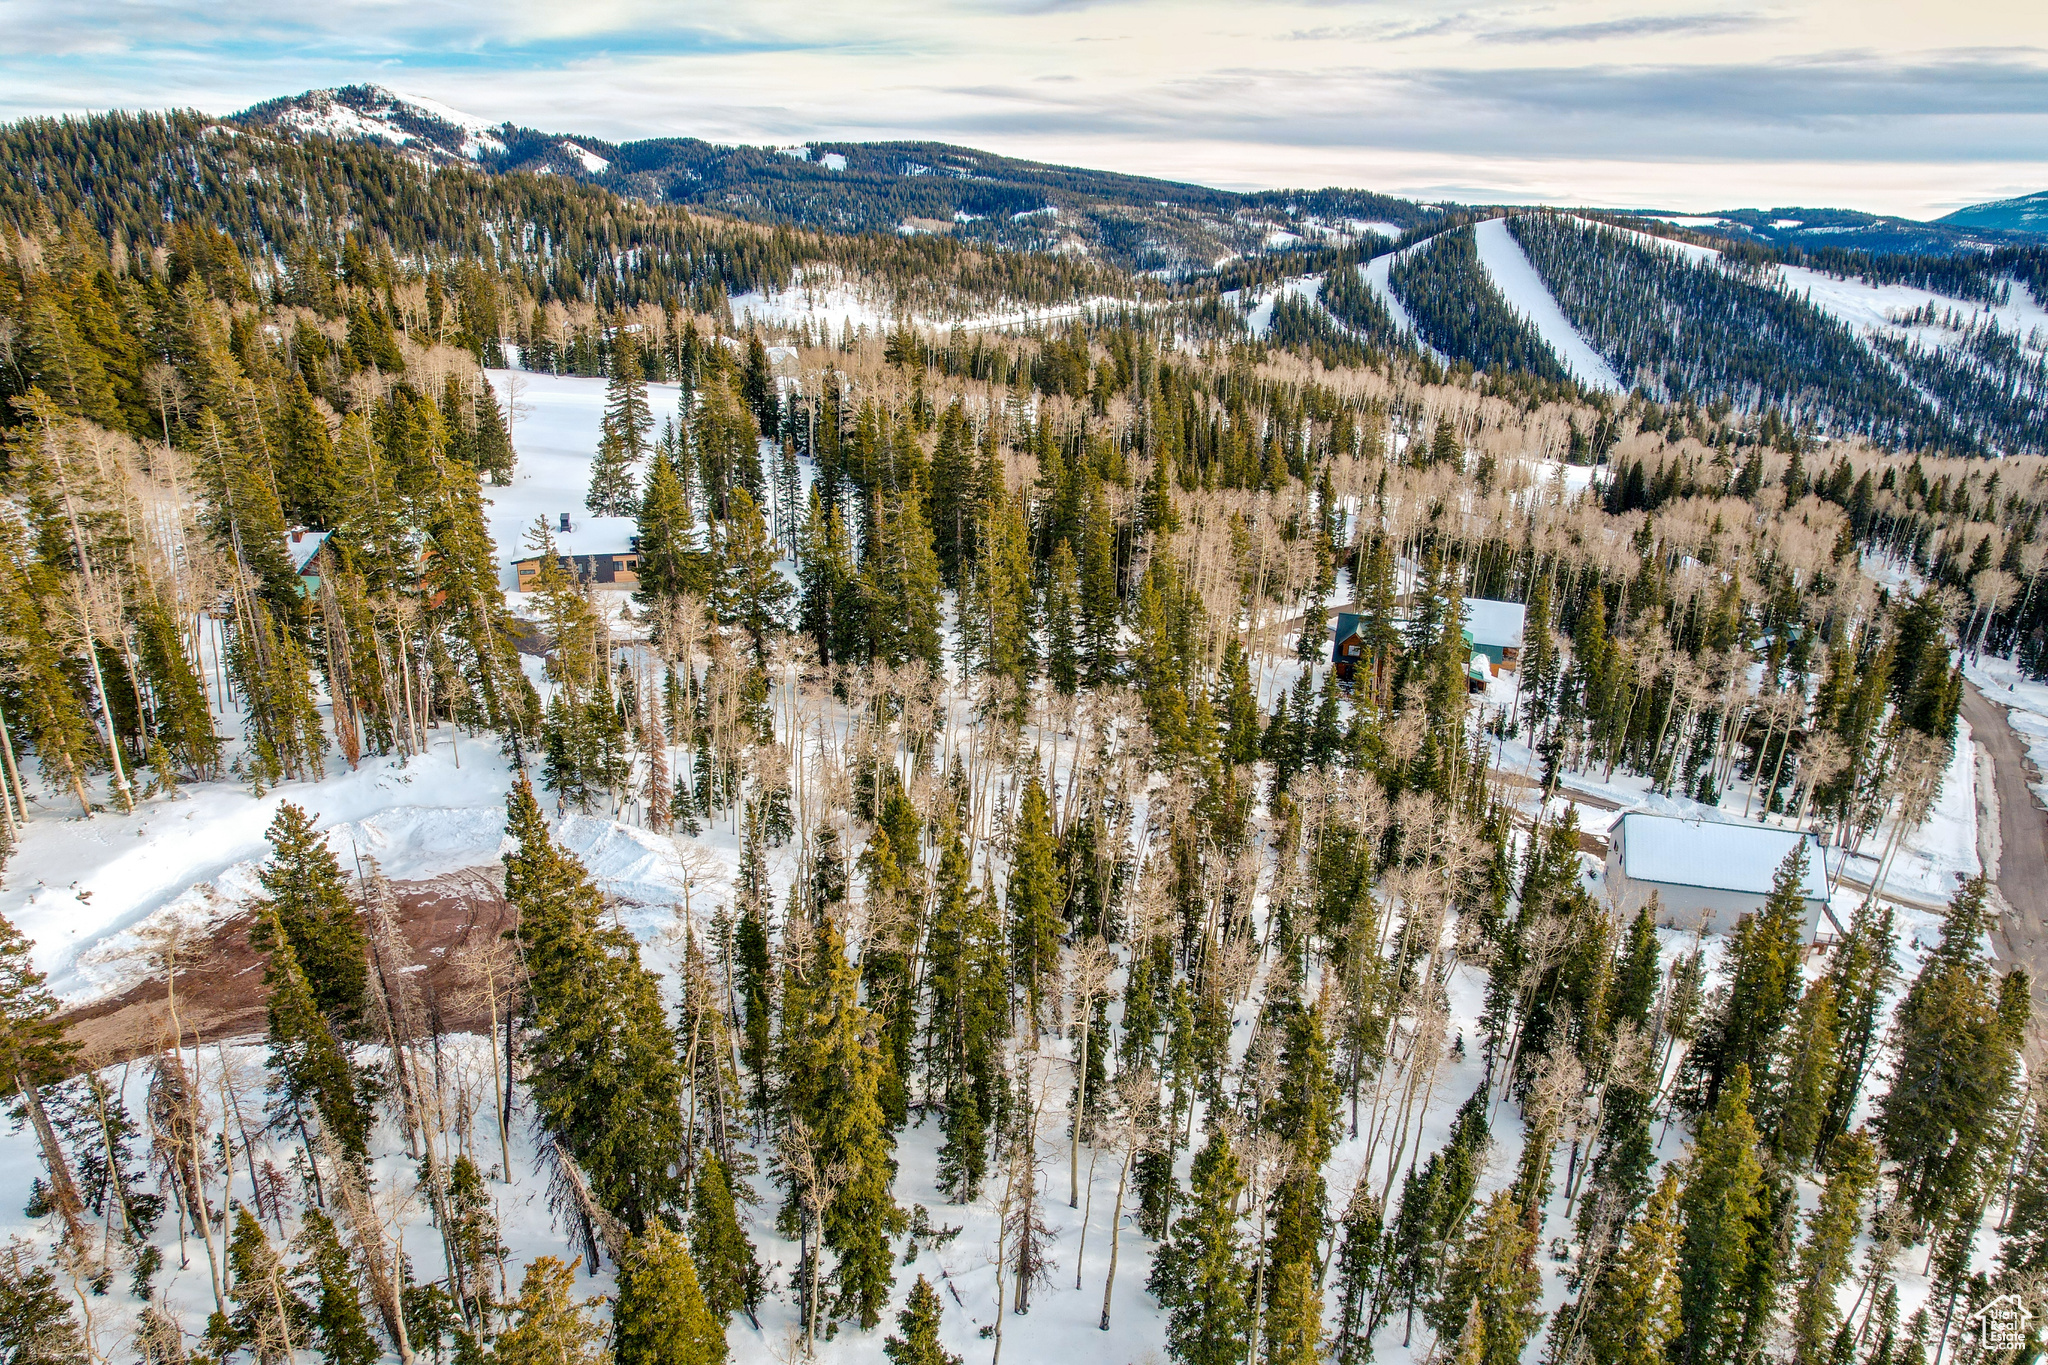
x: 565, y: 522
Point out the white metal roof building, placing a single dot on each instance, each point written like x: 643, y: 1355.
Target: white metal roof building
x: 1707, y: 873
x: 1496, y: 629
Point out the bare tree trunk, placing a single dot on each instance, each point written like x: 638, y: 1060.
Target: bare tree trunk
x: 63, y: 1190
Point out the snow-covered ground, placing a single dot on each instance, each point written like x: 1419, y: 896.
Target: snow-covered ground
x: 1871, y: 307
x: 556, y: 420
x: 1690, y: 249
x: 837, y: 305
x: 1526, y: 294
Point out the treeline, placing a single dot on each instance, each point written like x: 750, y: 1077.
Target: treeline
x: 1352, y: 302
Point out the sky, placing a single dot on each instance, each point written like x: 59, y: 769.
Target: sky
x: 1897, y: 106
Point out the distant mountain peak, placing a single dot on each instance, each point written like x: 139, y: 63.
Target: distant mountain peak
x: 2026, y: 213
x: 376, y: 113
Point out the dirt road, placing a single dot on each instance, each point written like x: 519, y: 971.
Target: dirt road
x: 220, y: 988
x: 2022, y: 935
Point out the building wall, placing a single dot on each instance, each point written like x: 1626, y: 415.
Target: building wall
x: 1683, y: 907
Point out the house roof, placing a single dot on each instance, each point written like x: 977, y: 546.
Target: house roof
x: 302, y: 546
x: 1714, y: 856
x: 1495, y: 623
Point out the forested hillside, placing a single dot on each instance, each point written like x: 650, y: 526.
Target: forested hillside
x: 1675, y: 324
x: 1460, y: 312
x: 948, y: 898
x: 1135, y: 222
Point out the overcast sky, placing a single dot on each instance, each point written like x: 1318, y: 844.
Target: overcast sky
x: 1902, y: 106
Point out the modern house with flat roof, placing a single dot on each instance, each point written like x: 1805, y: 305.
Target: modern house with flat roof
x: 619, y: 571
x: 1706, y: 871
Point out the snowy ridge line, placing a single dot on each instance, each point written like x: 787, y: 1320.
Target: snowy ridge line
x: 1528, y: 296
x: 1651, y: 239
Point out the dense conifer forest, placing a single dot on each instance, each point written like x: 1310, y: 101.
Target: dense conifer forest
x: 999, y: 662
x: 1458, y: 310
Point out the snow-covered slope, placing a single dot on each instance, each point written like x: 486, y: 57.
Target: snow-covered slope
x: 1260, y: 318
x: 1377, y: 274
x: 1526, y: 293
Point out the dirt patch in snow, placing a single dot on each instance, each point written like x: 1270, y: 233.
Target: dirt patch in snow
x: 220, y: 994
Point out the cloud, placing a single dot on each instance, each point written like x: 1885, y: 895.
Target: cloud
x: 1225, y: 90
x: 1640, y: 26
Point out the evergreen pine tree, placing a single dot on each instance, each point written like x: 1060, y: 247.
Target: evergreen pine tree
x: 751, y: 592
x: 1062, y: 593
x: 1493, y: 1271
x: 268, y: 1320
x: 36, y: 1323
x: 661, y: 1317
x: 954, y: 497
x: 306, y: 899
x: 727, y: 1272
x: 671, y: 565
x: 1763, y: 988
x: 307, y: 1063
x: 1635, y: 1301
x: 1100, y: 608
x: 35, y: 1053
x: 1358, y: 1274
x: 550, y: 1327
x: 1035, y: 895
x: 1830, y: 1242
x: 1237, y: 706
x: 602, y: 1065
x: 1719, y: 1206
x: 1811, y: 1055
x: 1957, y: 1064
x: 622, y: 442
x: 919, y: 1324
x: 1198, y: 1274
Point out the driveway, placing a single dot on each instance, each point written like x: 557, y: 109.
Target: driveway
x: 2022, y: 934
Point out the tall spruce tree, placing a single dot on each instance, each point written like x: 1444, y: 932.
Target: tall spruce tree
x: 727, y: 1270
x: 1719, y: 1208
x: 308, y: 1064
x: 1198, y: 1274
x: 601, y: 1059
x: 1830, y: 1242
x: 661, y: 1317
x: 1493, y: 1277
x: 1763, y: 988
x: 306, y: 900
x: 1035, y: 896
x: 330, y: 1282
x: 1958, y: 1033
x: 1634, y: 1310
x: 622, y: 439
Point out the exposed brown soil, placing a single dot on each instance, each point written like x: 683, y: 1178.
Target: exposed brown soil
x: 220, y: 995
